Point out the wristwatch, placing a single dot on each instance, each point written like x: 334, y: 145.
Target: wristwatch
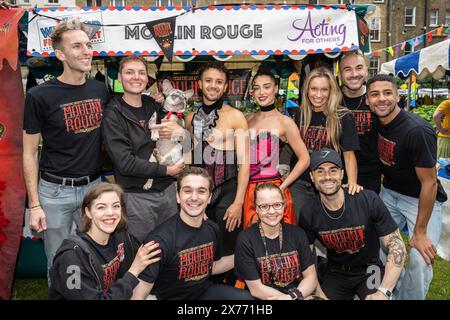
x: 386, y: 292
x: 295, y: 294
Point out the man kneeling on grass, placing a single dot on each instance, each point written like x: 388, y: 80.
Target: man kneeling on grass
x: 190, y: 249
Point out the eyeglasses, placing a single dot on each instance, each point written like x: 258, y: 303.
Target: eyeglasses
x: 266, y: 207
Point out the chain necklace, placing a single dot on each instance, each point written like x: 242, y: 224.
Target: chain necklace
x: 280, y: 238
x: 329, y: 215
x: 359, y: 104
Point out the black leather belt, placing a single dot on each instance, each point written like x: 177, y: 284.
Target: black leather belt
x: 73, y: 182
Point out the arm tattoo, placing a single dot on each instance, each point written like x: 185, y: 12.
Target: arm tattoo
x: 394, y: 243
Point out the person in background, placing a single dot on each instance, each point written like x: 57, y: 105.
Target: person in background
x: 441, y: 118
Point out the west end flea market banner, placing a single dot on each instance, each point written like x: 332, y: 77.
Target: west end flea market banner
x: 225, y: 30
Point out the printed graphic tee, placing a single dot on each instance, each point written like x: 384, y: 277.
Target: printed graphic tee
x: 351, y: 236
x: 186, y: 261
x: 406, y: 142
x: 279, y: 269
x: 113, y: 254
x: 316, y: 138
x: 367, y: 126
x: 68, y: 117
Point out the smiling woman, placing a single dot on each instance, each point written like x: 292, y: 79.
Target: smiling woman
x: 274, y: 257
x: 102, y: 261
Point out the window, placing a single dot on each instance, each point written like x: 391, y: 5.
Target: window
x: 53, y: 1
x: 118, y: 3
x: 93, y: 3
x: 410, y: 16
x: 434, y: 14
x: 165, y: 3
x: 375, y: 27
x: 447, y: 17
x: 373, y: 66
x: 184, y: 3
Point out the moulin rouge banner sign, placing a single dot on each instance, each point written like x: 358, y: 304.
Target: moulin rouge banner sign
x: 237, y: 30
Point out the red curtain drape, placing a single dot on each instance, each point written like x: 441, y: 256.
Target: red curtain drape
x: 12, y: 190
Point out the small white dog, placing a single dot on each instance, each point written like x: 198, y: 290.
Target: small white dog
x: 169, y: 151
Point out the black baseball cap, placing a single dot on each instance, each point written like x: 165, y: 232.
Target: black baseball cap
x: 324, y: 155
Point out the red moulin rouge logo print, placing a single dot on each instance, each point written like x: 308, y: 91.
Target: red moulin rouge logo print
x: 386, y: 149
x: 363, y: 120
x: 163, y: 29
x: 315, y: 138
x: 283, y: 269
x: 111, y: 269
x: 82, y: 116
x: 196, y: 263
x: 348, y: 240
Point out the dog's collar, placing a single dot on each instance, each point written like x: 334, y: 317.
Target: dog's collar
x: 179, y: 115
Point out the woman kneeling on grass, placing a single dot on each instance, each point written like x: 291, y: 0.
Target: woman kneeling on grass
x: 102, y: 261
x: 274, y: 257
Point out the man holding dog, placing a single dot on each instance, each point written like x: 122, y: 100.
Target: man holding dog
x: 128, y: 142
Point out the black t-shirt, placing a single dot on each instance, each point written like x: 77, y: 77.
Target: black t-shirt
x: 187, y: 256
x: 406, y: 142
x: 139, y: 113
x: 68, y: 117
x: 112, y: 254
x: 352, y: 236
x: 367, y: 126
x: 316, y: 137
x: 280, y: 271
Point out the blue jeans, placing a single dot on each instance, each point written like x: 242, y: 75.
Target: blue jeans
x: 62, y: 206
x: 415, y: 281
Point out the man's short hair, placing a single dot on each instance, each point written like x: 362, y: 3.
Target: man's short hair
x: 196, y: 171
x: 381, y: 77
x: 213, y: 65
x: 351, y: 53
x: 132, y: 58
x: 64, y: 26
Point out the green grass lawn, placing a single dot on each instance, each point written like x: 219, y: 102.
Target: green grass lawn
x: 36, y: 289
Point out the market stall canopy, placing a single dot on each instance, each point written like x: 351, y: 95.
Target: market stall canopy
x: 430, y: 61
x: 213, y: 30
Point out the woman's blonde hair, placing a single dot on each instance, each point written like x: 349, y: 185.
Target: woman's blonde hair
x: 334, y: 111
